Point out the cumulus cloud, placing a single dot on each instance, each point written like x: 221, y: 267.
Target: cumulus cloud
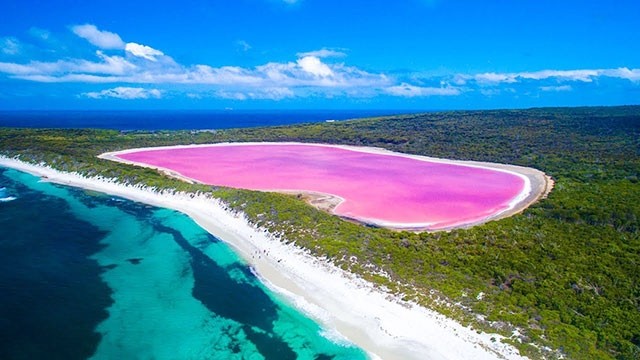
x: 109, y: 40
x: 307, y: 76
x: 101, y: 39
x: 314, y: 66
x: 141, y: 64
x: 407, y: 90
x: 143, y: 51
x: 322, y: 53
x: 310, y: 73
x: 126, y: 93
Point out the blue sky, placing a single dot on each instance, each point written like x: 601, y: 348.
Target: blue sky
x: 280, y: 54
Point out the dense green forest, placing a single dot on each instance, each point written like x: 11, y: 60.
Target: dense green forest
x: 566, y: 272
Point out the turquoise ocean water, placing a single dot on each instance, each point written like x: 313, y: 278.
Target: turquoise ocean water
x: 86, y: 275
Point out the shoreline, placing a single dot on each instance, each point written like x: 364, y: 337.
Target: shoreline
x: 346, y: 306
x: 537, y: 183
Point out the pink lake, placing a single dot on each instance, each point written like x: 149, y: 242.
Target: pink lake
x: 387, y: 189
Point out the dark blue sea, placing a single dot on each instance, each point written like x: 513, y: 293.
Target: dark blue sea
x: 177, y: 120
x: 87, y: 275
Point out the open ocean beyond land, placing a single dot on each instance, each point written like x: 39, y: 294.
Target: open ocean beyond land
x: 177, y: 120
x: 86, y: 275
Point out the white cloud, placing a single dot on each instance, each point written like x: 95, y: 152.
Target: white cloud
x: 314, y: 66
x: 115, y: 65
x: 243, y: 45
x: 569, y: 75
x: 556, y: 88
x: 10, y: 46
x: 581, y: 75
x: 15, y: 69
x: 231, y: 95
x: 495, y: 78
x: 76, y: 78
x: 101, y: 39
x: 277, y: 72
x: 42, y: 34
x: 110, y: 65
x: 407, y: 90
x: 307, y: 77
x: 226, y: 75
x: 312, y: 72
x: 322, y: 53
x: 143, y: 51
x: 127, y: 93
x: 460, y: 79
x: 307, y: 74
x: 623, y: 73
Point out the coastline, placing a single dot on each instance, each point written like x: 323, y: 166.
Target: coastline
x: 537, y: 183
x: 381, y: 324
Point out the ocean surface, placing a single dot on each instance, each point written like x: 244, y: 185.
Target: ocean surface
x: 87, y: 275
x: 178, y: 120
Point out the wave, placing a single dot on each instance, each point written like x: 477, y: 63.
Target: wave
x: 4, y: 197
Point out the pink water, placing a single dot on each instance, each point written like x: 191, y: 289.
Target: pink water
x: 379, y: 188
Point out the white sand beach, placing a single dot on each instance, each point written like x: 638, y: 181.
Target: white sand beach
x: 347, y: 307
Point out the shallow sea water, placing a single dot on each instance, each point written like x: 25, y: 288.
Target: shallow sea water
x: 86, y: 275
